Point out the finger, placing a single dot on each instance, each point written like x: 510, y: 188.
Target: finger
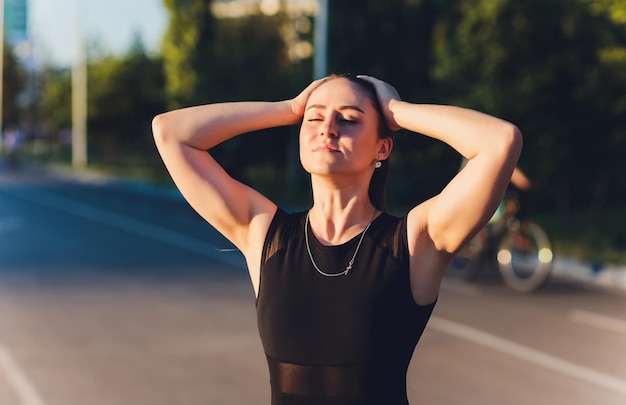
x: 370, y: 79
x: 299, y: 102
x: 312, y: 86
x: 380, y: 85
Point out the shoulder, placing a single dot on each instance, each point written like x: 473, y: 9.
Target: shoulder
x: 389, y: 225
x: 389, y: 232
x: 269, y: 233
x: 283, y: 228
x: 285, y: 222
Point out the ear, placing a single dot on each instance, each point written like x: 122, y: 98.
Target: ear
x: 384, y: 149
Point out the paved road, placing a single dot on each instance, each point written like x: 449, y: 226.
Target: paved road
x: 112, y: 296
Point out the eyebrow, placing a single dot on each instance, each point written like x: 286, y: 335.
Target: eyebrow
x: 343, y: 107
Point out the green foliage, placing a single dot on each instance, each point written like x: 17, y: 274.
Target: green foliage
x: 124, y: 94
x: 598, y: 240
x: 615, y: 10
x: 555, y: 69
x: 249, y: 60
x: 187, y: 64
x: 253, y: 65
x: 392, y: 40
x: 207, y: 60
x: 388, y: 39
x: 13, y: 82
x: 55, y: 101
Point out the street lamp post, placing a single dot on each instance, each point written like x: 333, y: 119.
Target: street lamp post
x: 79, y: 91
x: 1, y: 71
x: 320, y: 41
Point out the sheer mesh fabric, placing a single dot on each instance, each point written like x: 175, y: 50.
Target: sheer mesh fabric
x: 317, y: 381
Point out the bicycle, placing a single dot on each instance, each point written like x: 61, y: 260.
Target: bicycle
x: 519, y: 248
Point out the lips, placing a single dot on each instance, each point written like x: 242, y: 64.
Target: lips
x: 325, y: 148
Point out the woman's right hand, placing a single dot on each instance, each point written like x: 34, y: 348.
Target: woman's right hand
x: 298, y: 103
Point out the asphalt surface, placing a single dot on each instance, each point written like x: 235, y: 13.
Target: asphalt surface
x: 115, y: 293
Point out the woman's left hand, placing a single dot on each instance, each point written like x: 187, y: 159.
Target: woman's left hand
x: 387, y: 94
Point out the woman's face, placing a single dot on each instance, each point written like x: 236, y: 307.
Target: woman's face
x: 339, y: 133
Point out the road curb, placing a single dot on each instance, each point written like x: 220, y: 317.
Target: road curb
x: 606, y: 276
x: 95, y: 177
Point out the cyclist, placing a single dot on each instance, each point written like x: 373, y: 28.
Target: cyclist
x: 510, y: 201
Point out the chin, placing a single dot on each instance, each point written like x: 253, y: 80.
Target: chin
x: 320, y: 167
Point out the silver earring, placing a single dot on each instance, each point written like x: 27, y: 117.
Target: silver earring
x: 378, y: 164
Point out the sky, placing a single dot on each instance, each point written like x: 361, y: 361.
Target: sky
x: 53, y: 25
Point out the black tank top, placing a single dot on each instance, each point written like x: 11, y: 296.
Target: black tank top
x: 338, y: 340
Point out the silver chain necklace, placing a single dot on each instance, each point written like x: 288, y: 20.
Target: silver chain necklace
x: 350, y: 263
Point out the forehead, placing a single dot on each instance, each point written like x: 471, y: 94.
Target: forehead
x: 340, y: 92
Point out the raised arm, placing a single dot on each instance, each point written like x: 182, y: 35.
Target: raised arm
x: 183, y: 137
x: 491, y: 146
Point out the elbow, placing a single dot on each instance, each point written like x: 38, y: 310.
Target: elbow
x: 512, y: 141
x: 516, y: 135
x: 159, y: 131
x: 517, y: 140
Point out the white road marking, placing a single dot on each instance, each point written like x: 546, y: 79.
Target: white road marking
x: 24, y: 390
x: 16, y: 378
x: 554, y: 363
x: 129, y: 224
x: 599, y: 321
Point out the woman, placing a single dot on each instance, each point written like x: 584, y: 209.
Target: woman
x: 344, y: 290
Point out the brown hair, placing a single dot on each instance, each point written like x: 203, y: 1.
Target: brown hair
x: 378, y: 182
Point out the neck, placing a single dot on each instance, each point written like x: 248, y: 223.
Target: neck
x: 340, y: 193
x: 341, y: 208
x: 334, y: 223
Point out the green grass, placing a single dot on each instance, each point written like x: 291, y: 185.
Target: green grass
x: 127, y: 165
x: 600, y: 239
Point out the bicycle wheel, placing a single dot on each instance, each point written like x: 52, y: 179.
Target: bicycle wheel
x: 468, y: 262
x: 524, y: 256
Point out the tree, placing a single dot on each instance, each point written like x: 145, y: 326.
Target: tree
x: 392, y: 40
x: 14, y: 81
x: 55, y: 101
x: 388, y: 39
x: 186, y: 51
x: 209, y: 59
x: 555, y: 68
x: 124, y: 95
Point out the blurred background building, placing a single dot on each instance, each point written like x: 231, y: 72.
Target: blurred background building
x: 17, y: 34
x: 16, y: 20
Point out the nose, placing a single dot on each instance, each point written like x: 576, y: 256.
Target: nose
x: 329, y: 127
